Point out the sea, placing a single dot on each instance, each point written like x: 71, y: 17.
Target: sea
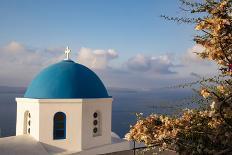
x: 126, y: 104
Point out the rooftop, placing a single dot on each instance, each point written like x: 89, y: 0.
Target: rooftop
x: 66, y: 80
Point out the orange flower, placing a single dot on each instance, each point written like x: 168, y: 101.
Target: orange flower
x: 205, y: 93
x: 221, y: 88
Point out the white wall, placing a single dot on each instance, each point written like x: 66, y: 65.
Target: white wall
x: 104, y: 106
x: 32, y: 106
x: 73, y: 124
x: 79, y: 121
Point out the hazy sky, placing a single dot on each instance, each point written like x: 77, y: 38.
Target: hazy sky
x: 124, y: 41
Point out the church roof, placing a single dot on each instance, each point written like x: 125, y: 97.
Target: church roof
x: 23, y: 144
x: 64, y: 80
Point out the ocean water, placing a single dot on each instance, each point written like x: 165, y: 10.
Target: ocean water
x: 126, y: 103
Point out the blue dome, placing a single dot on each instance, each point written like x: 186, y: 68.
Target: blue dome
x: 65, y: 80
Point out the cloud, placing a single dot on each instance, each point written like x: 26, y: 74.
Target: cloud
x: 139, y: 63
x: 192, y: 63
x: 19, y: 63
x: 96, y: 59
x: 14, y: 47
x: 155, y: 64
x: 190, y: 57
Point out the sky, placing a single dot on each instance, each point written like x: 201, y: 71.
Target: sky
x: 124, y: 41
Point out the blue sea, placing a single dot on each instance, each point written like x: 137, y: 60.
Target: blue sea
x: 126, y: 103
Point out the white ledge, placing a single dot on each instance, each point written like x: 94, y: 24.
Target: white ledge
x: 30, y: 100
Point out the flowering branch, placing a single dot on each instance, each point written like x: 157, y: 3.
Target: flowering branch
x: 208, y: 130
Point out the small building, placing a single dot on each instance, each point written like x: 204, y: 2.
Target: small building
x: 66, y: 109
x: 66, y: 106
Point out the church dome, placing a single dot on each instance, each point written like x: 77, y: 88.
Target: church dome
x: 65, y: 80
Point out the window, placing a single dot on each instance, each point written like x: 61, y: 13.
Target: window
x: 96, y: 124
x: 59, y: 128
x: 27, y: 123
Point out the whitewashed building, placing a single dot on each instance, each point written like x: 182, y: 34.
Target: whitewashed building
x: 66, y: 110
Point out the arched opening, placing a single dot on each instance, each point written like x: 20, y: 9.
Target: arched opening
x: 27, y: 123
x: 96, y: 124
x: 59, y: 126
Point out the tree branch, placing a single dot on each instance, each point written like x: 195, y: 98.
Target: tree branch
x: 221, y: 109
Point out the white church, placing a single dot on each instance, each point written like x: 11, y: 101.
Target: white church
x: 66, y: 110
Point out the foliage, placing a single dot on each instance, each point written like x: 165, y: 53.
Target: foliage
x: 195, y: 132
x: 198, y: 131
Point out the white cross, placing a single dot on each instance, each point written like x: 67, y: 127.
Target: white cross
x: 67, y: 52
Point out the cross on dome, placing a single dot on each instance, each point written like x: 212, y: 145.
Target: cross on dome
x: 67, y: 52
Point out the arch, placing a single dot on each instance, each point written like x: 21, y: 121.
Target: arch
x: 27, y: 123
x: 59, y: 126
